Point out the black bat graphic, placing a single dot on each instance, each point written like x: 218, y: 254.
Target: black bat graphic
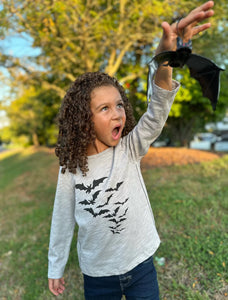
x: 87, y: 202
x: 90, y: 187
x: 116, y: 188
x: 202, y: 69
x: 117, y: 221
x: 117, y: 231
x: 101, y: 212
x: 106, y: 203
x: 124, y: 214
x: 122, y: 202
x: 116, y: 227
x: 113, y: 214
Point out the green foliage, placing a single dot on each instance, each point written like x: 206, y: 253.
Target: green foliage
x: 33, y: 115
x: 115, y: 36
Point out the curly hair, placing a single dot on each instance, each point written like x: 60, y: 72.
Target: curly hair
x: 76, y: 128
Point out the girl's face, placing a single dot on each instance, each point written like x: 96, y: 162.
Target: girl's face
x: 109, y: 118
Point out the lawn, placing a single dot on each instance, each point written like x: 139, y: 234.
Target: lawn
x: 190, y: 205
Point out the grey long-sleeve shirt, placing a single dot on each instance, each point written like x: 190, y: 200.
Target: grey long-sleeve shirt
x: 110, y: 205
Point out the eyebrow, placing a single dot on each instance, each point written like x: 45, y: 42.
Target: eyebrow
x: 107, y: 103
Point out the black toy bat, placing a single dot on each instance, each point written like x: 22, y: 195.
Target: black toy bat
x: 116, y: 188
x: 202, y: 69
x: 90, y: 187
x: 87, y: 202
x: 101, y: 212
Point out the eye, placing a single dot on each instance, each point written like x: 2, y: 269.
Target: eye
x: 104, y: 108
x: 120, y: 105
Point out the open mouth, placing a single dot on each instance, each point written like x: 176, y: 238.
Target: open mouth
x: 116, y: 132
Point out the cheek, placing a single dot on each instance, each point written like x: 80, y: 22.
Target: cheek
x: 124, y: 117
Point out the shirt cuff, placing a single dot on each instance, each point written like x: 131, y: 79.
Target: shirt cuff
x: 175, y: 87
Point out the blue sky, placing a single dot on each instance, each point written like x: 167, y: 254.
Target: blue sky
x: 17, y: 46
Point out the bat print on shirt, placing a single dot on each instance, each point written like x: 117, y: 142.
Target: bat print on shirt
x: 116, y: 188
x: 111, y: 215
x: 108, y: 209
x: 90, y: 187
x: 101, y: 212
x: 94, y: 196
x: 106, y: 203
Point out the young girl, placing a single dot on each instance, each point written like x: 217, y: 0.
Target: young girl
x: 100, y: 186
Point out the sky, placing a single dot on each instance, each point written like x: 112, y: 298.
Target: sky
x: 17, y: 46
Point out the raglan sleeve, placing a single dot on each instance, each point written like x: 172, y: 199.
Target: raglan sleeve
x: 152, y: 122
x: 62, y: 225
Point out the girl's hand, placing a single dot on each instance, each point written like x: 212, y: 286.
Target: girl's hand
x: 186, y: 28
x: 56, y: 286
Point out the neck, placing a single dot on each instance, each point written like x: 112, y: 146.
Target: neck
x: 95, y: 149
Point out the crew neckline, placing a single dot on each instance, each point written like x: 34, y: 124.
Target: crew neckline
x: 110, y: 149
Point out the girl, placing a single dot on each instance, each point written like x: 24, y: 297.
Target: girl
x: 100, y: 186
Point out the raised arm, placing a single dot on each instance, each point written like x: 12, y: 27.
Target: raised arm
x: 186, y: 28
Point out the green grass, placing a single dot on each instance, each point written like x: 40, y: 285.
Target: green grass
x: 190, y: 205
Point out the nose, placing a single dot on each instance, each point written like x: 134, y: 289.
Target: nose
x: 116, y: 114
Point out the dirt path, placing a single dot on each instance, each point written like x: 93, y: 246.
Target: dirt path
x: 175, y: 156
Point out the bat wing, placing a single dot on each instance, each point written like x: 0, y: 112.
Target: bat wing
x: 96, y: 194
x: 110, y: 190
x: 81, y: 187
x: 108, y: 216
x: 97, y: 182
x: 116, y: 210
x: 103, y: 211
x: 84, y: 202
x: 118, y: 185
x: 173, y: 58
x: 90, y: 210
x: 207, y: 74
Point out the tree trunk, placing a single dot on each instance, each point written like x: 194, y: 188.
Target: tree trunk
x: 35, y: 139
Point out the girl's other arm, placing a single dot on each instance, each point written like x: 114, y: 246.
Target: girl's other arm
x: 186, y: 29
x: 62, y: 229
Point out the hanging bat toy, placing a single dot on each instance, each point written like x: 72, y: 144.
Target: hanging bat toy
x: 202, y: 69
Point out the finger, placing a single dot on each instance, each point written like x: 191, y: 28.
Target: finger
x: 166, y: 29
x: 204, y: 7
x: 61, y: 286
x: 56, y: 284
x: 61, y: 289
x: 197, y: 15
x: 51, y: 287
x: 192, y: 20
x: 201, y: 28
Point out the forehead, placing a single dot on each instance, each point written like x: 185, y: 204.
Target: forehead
x: 105, y: 93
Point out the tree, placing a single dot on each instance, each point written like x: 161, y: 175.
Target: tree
x: 75, y: 36
x: 33, y: 114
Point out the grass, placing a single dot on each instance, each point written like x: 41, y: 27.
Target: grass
x: 190, y: 205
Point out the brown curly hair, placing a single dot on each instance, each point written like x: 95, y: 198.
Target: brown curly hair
x: 76, y: 128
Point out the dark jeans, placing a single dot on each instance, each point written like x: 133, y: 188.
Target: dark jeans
x: 138, y: 284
